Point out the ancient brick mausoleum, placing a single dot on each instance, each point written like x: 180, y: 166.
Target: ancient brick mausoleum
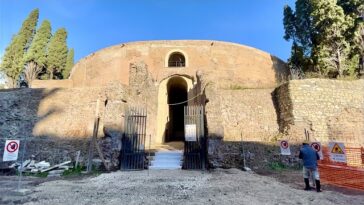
x: 245, y: 93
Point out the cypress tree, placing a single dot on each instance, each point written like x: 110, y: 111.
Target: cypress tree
x: 69, y: 64
x: 12, y: 64
x: 36, y: 57
x: 57, y: 53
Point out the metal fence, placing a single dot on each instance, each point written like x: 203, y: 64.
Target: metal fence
x: 195, y: 150
x: 133, y: 155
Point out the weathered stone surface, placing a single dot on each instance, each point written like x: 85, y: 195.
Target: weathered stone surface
x: 226, y: 64
x: 236, y: 84
x: 55, y: 123
x: 328, y: 109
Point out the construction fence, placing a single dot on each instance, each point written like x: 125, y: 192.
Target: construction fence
x: 349, y: 174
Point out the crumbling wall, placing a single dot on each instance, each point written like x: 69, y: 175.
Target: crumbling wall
x: 55, y: 123
x: 328, y: 109
x: 143, y: 90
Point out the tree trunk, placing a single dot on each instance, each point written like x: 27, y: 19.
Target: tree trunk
x: 31, y: 72
x: 339, y: 64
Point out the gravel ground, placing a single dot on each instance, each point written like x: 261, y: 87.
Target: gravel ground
x: 219, y: 186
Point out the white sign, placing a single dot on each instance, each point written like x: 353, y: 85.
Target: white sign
x: 317, y: 147
x: 337, y: 152
x: 285, y: 150
x: 190, y: 133
x: 11, y: 150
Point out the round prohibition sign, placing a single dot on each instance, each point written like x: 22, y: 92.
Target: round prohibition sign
x: 12, y: 146
x: 316, y: 146
x: 284, y: 144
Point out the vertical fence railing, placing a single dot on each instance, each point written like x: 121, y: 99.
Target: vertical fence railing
x: 133, y: 140
x: 195, y: 151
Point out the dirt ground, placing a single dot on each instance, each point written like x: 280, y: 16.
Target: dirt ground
x: 220, y: 186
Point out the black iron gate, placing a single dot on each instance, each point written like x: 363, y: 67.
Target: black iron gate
x: 133, y: 141
x: 195, y: 140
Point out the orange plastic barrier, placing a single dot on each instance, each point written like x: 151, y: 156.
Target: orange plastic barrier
x: 349, y: 174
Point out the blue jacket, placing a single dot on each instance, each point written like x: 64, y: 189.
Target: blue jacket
x: 309, y: 157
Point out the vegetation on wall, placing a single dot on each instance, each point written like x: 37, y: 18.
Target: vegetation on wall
x: 36, y: 54
x: 327, y: 37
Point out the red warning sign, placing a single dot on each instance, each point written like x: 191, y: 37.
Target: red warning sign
x: 317, y: 147
x: 12, y: 146
x: 284, y: 145
x: 11, y: 150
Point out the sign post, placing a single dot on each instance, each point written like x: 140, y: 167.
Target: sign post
x: 285, y: 150
x: 337, y: 152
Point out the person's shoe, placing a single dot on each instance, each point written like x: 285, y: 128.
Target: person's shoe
x: 307, y: 183
x: 318, y: 186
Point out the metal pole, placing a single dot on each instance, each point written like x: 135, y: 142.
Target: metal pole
x: 150, y: 137
x: 242, y: 147
x: 21, y: 165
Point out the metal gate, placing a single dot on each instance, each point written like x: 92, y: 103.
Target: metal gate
x: 195, y: 140
x: 133, y: 141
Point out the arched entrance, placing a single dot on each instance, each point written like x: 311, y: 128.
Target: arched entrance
x: 170, y: 118
x: 177, y: 97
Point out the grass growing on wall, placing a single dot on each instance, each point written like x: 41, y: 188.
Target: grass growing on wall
x: 242, y: 87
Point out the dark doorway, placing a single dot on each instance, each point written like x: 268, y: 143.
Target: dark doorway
x: 177, y: 97
x: 176, y: 60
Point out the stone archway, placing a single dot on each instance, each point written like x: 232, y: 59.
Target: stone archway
x: 177, y: 99
x: 170, y: 118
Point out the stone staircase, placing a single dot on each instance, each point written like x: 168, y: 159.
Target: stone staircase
x: 167, y: 160
x: 167, y: 157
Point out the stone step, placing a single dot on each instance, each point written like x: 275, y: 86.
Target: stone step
x: 167, y: 156
x: 165, y: 162
x: 169, y: 153
x: 166, y: 167
x: 171, y: 159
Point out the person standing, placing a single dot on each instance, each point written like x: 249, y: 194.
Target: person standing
x: 309, y: 157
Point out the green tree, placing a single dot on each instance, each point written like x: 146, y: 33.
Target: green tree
x: 332, y: 49
x: 299, y: 28
x: 36, y: 57
x: 325, y: 36
x: 355, y: 34
x: 12, y: 63
x: 69, y: 64
x: 57, y: 53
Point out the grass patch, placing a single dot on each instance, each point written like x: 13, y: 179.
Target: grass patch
x: 79, y: 170
x: 242, y: 87
x: 75, y: 171
x: 277, y: 166
x: 37, y: 174
x: 236, y: 87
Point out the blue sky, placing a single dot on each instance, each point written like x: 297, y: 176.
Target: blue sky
x: 95, y: 24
